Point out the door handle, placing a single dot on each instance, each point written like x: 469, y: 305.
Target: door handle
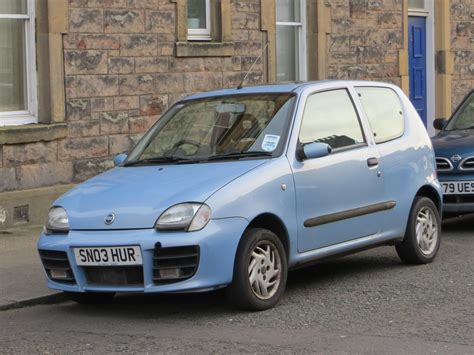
x: 371, y: 162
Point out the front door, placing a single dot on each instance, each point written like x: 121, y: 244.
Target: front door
x: 417, y: 64
x: 338, y: 195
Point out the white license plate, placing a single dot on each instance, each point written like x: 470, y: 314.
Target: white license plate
x: 458, y: 187
x: 108, y: 256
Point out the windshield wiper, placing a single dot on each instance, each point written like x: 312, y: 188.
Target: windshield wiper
x: 158, y: 160
x: 238, y: 155
x: 181, y: 160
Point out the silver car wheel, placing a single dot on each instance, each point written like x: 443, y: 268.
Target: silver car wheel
x: 426, y: 230
x: 264, y: 270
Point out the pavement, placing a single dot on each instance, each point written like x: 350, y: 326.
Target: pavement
x: 22, y: 279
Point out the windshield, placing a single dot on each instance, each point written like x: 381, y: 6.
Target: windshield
x: 464, y: 117
x: 225, y: 127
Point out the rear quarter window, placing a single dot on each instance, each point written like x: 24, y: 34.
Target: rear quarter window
x: 384, y: 112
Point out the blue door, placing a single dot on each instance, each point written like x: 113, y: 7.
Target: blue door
x: 417, y: 63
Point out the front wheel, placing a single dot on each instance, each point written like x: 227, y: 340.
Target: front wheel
x: 90, y: 297
x: 423, y: 233
x: 260, y: 271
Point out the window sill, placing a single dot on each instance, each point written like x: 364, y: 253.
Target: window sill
x: 204, y: 49
x: 32, y: 133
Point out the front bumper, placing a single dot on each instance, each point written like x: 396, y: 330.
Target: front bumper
x: 458, y: 207
x: 217, y: 243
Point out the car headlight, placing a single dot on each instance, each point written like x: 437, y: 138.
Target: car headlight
x: 58, y: 222
x: 184, y: 217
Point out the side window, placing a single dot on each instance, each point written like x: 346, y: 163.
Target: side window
x: 330, y: 117
x: 384, y: 111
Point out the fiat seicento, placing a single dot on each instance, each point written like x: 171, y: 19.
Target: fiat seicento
x: 232, y: 188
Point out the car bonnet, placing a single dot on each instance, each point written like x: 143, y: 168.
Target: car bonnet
x: 137, y: 196
x: 448, y: 143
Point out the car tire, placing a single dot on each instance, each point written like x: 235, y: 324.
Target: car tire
x: 90, y: 297
x: 423, y: 234
x: 260, y: 271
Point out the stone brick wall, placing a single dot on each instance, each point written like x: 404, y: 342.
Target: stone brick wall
x: 364, y: 40
x: 27, y: 166
x: 462, y: 35
x: 121, y: 74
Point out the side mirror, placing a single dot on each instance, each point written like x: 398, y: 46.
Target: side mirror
x: 119, y: 159
x: 440, y: 123
x: 314, y: 150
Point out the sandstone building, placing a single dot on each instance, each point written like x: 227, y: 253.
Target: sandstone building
x: 82, y: 80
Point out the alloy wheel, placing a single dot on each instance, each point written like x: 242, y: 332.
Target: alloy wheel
x: 264, y: 270
x: 426, y: 230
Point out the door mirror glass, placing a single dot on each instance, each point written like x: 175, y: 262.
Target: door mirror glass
x: 314, y: 150
x: 119, y: 159
x: 440, y: 123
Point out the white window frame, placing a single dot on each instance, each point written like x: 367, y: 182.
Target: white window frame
x: 202, y: 34
x: 428, y: 12
x: 30, y: 115
x: 302, y: 57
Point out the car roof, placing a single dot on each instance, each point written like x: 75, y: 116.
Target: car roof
x: 285, y: 88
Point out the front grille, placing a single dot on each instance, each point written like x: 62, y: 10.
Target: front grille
x: 57, y: 266
x: 467, y: 164
x: 174, y: 264
x: 458, y: 199
x: 443, y: 164
x: 114, y: 275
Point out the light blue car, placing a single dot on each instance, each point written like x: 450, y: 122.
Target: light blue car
x: 233, y: 188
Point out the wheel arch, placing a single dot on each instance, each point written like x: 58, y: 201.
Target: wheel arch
x: 431, y: 193
x: 275, y: 224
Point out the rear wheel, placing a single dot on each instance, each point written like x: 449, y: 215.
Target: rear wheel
x: 260, y: 271
x: 423, y: 233
x: 90, y: 297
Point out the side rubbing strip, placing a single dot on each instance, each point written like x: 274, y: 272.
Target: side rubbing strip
x: 356, y: 212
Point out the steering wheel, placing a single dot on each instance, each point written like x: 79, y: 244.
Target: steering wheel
x: 186, y: 141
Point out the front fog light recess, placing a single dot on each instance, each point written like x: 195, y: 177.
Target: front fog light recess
x: 185, y: 216
x: 58, y: 221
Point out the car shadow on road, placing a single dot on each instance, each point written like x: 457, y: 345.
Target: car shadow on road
x: 190, y: 306
x: 208, y: 305
x: 460, y: 224
x: 343, y: 268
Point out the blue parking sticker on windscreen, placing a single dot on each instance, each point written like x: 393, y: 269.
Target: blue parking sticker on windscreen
x: 270, y: 142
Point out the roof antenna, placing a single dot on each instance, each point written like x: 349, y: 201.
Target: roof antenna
x: 251, y: 67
